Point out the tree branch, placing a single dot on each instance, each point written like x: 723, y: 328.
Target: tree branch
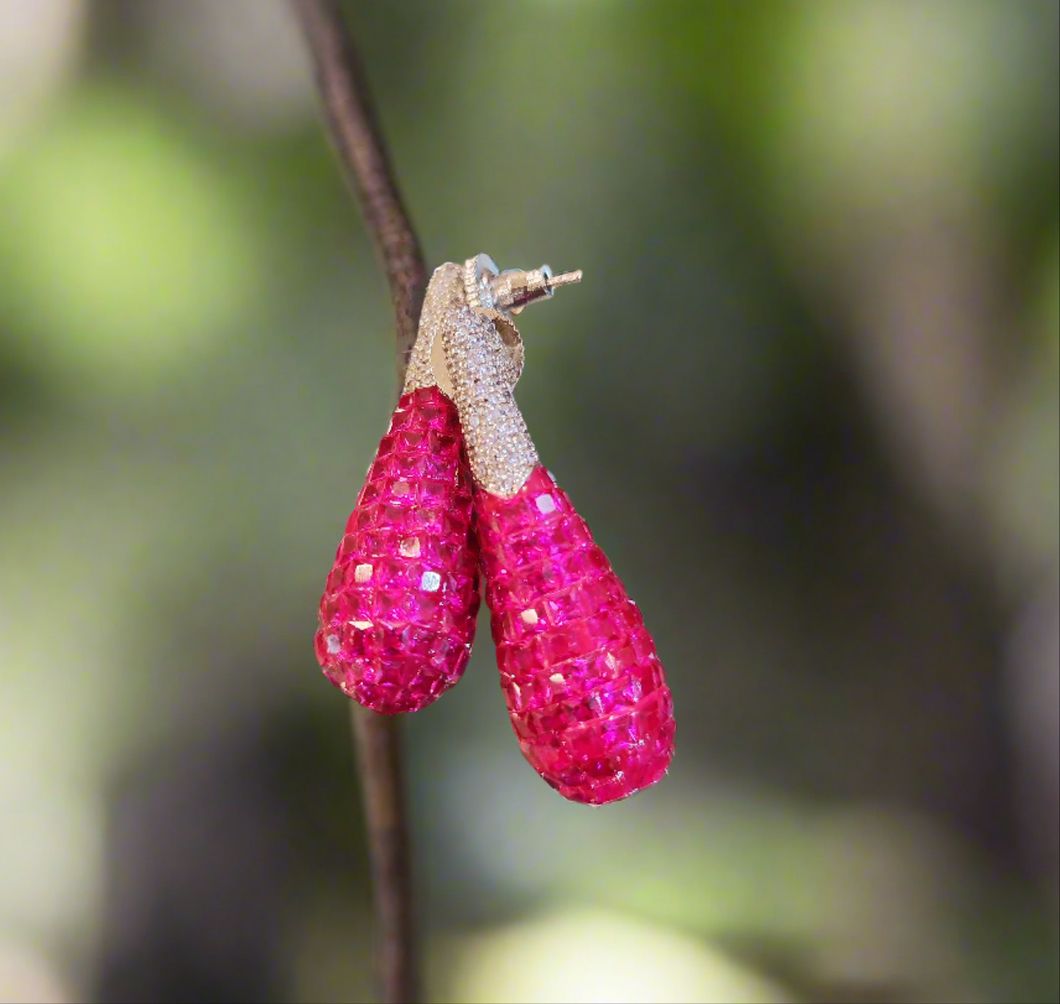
x: 378, y: 742
x: 358, y: 140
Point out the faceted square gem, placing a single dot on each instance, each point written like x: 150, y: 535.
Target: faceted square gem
x: 545, y: 504
x: 362, y: 573
x: 431, y: 582
x: 435, y: 492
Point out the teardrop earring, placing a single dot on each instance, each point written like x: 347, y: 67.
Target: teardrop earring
x: 397, y: 619
x: 586, y: 692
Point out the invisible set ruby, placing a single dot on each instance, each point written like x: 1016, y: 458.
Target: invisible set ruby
x: 397, y: 619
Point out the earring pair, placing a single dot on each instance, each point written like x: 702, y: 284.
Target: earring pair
x: 456, y: 493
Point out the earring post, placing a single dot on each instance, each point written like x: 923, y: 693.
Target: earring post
x: 565, y: 278
x: 514, y: 289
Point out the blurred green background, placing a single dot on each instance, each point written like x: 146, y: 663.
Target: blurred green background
x: 807, y: 398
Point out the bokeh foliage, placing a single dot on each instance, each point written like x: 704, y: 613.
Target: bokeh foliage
x: 806, y: 397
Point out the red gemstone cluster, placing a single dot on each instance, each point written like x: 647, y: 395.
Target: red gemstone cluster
x: 398, y: 615
x: 585, y: 690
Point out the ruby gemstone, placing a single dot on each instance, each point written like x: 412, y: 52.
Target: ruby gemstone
x: 397, y: 619
x: 586, y: 692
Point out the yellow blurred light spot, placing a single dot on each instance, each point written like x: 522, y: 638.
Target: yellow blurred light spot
x: 595, y: 956
x: 51, y: 846
x: 39, y: 46
x: 124, y: 247
x: 879, y: 104
x: 28, y: 977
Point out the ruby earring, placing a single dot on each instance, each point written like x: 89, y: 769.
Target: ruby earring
x: 397, y: 619
x: 457, y: 483
x: 586, y: 692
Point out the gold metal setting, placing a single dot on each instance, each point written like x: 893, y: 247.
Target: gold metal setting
x: 469, y: 346
x: 421, y: 370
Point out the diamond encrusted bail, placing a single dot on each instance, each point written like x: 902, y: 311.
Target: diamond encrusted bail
x: 427, y: 364
x: 484, y: 358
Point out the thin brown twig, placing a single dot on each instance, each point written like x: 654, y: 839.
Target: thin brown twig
x: 378, y: 742
x: 357, y: 137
